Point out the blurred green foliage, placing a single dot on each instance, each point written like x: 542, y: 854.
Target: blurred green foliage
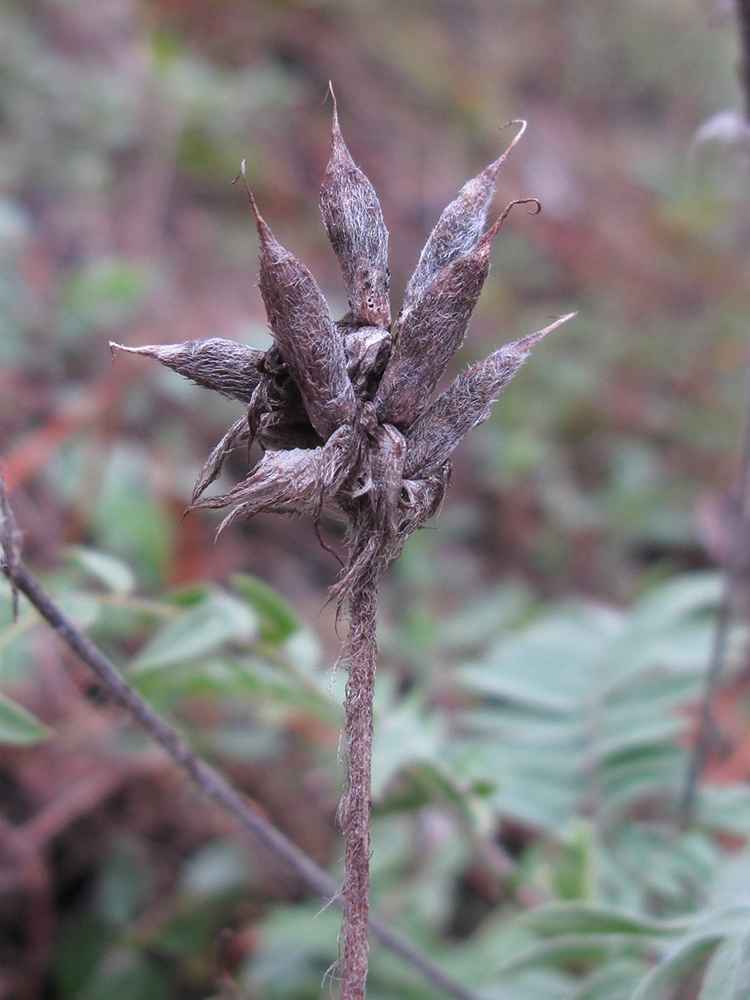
x: 564, y: 722
x: 541, y: 650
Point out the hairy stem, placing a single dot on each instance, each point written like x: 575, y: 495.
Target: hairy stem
x: 360, y: 654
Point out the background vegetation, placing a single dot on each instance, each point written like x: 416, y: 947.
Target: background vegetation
x: 543, y: 649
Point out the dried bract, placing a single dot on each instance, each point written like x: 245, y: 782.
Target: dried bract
x: 429, y: 334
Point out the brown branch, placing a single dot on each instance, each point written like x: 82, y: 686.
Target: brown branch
x: 213, y: 784
x: 736, y: 565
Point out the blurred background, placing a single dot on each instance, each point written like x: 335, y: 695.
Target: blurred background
x: 601, y: 475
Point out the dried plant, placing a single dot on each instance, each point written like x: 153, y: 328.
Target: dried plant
x: 343, y: 414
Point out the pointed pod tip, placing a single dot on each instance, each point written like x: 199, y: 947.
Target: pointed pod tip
x: 114, y: 347
x: 333, y: 98
x: 516, y: 121
x: 260, y: 223
x: 161, y: 352
x: 526, y: 343
x: 340, y: 155
x: 489, y: 237
x: 493, y: 169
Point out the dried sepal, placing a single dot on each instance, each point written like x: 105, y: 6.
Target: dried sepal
x: 427, y: 337
x: 421, y: 500
x: 465, y: 403
x: 372, y: 508
x: 367, y: 349
x: 354, y: 222
x: 277, y: 415
x: 224, y: 365
x: 297, y: 481
x: 459, y: 227
x: 238, y: 433
x: 304, y: 332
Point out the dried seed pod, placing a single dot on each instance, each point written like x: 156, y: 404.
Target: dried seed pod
x: 354, y: 221
x: 224, y: 365
x: 304, y: 332
x: 458, y: 229
x: 428, y: 336
x: 464, y: 404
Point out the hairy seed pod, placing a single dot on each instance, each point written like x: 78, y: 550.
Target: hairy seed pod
x: 464, y: 404
x: 304, y: 332
x: 354, y: 221
x: 427, y: 337
x: 458, y: 229
x: 224, y: 365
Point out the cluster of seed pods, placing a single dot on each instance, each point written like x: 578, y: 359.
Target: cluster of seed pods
x: 344, y: 411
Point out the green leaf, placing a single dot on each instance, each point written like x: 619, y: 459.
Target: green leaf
x: 277, y: 619
x: 612, y: 981
x: 217, y: 870
x: 728, y: 973
x: 124, y: 883
x: 115, y: 574
x: 685, y: 958
x: 726, y: 808
x: 588, y: 918
x: 574, y: 872
x: 404, y: 734
x: 82, y: 943
x: 18, y: 726
x: 200, y: 630
x: 569, y: 949
x: 685, y: 595
x: 547, y: 665
x: 126, y: 974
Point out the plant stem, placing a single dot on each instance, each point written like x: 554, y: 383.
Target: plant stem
x: 360, y: 654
